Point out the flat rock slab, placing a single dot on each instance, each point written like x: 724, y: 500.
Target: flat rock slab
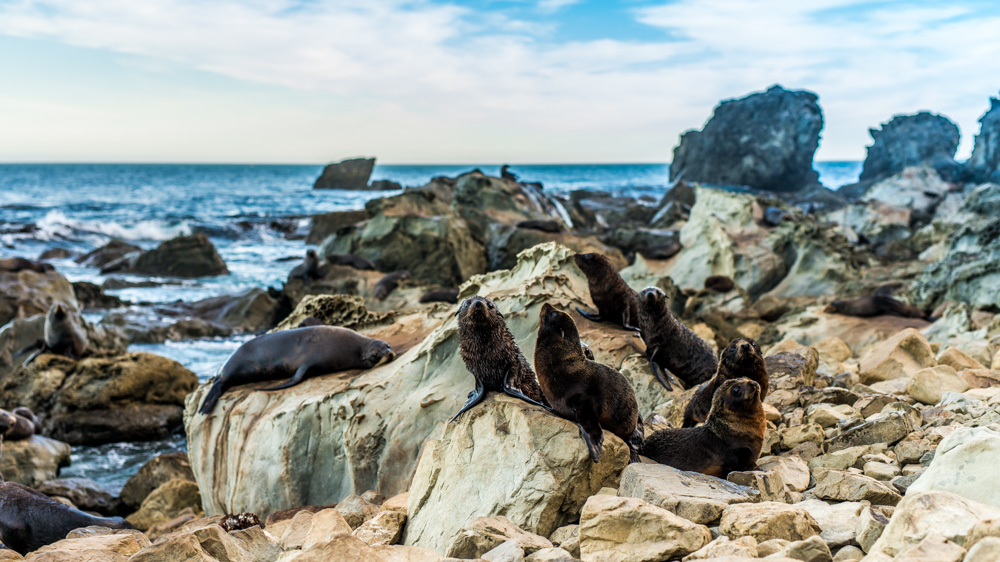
x: 691, y: 495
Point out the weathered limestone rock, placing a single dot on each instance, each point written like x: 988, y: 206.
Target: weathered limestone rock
x: 626, y: 529
x: 922, y: 514
x: 33, y: 461
x: 153, y: 474
x: 356, y: 510
x: 116, y: 547
x: 551, y: 555
x: 165, y: 503
x: 567, y: 538
x: 936, y: 548
x: 972, y: 453
x: 693, y: 496
x: 338, y: 547
x: 792, y: 437
x: 838, y: 522
x: 483, y: 534
x: 870, y: 525
x: 768, y: 520
x: 812, y: 549
x: 985, y: 550
x: 887, y: 428
x: 958, y: 359
x: 899, y: 356
x: 520, y: 461
x: 508, y: 551
x: 743, y: 547
x: 386, y: 528
x: 929, y: 385
x: 793, y: 471
x: 346, y: 174
x: 839, y: 485
x: 257, y: 544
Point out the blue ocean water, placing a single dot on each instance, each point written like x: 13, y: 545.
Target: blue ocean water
x: 247, y: 212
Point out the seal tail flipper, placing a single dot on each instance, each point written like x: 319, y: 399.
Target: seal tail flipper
x: 592, y: 316
x: 299, y: 376
x: 218, y: 387
x: 516, y: 392
x: 658, y: 372
x: 38, y: 344
x: 590, y: 430
x: 32, y: 357
x: 475, y: 397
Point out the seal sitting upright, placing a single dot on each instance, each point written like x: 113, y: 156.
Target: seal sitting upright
x: 730, y: 440
x: 62, y: 335
x: 670, y: 345
x: 614, y: 299
x: 742, y: 358
x: 579, y: 389
x: 297, y: 353
x: 492, y: 356
x: 308, y: 269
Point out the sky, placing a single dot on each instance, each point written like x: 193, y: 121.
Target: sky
x: 477, y: 81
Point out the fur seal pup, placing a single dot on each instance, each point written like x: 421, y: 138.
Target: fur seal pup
x: 17, y: 426
x: 742, y: 358
x: 670, y: 344
x: 874, y: 305
x: 297, y: 353
x: 388, y: 283
x: 720, y: 283
x: 730, y: 440
x: 492, y: 356
x: 589, y: 393
x: 444, y: 295
x: 62, y: 335
x: 307, y: 270
x: 614, y: 299
x: 551, y: 227
x: 355, y: 261
x: 30, y: 520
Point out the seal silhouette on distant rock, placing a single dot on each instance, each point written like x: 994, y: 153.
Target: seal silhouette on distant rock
x: 352, y: 260
x: 490, y: 353
x: 388, y: 283
x: 18, y: 424
x: 581, y: 390
x: 874, y: 305
x: 670, y: 345
x: 720, y: 283
x: 297, y: 353
x: 729, y: 441
x: 742, y: 358
x: 442, y: 295
x: 549, y: 226
x: 61, y: 335
x: 614, y: 299
x: 307, y: 270
x: 30, y: 520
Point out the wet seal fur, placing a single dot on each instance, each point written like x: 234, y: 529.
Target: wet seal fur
x: 388, y: 283
x: 443, y: 295
x: 614, y: 299
x: 729, y: 441
x: 720, y: 283
x: 62, y: 335
x: 490, y: 353
x: 297, y: 353
x: 30, y: 520
x: 875, y: 305
x: 670, y: 344
x: 307, y: 270
x: 582, y: 390
x: 742, y: 358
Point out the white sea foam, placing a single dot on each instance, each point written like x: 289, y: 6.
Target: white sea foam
x: 56, y: 225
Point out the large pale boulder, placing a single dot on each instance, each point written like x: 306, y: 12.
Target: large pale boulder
x: 929, y: 385
x: 629, y: 529
x: 695, y: 497
x: 165, y: 503
x: 520, y: 461
x: 899, y: 356
x: 965, y: 464
x: 922, y: 514
x: 768, y: 520
x: 112, y: 547
x: 33, y: 461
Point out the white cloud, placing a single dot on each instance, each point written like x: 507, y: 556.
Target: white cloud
x: 442, y: 82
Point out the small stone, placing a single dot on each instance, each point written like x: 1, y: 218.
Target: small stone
x: 958, y: 360
x: 382, y: 530
x: 849, y: 553
x: 842, y: 485
x: 165, y: 503
x: 826, y: 415
x: 842, y: 459
x: 901, y: 355
x: 870, y: 524
x: 624, y: 529
x: 812, y: 549
x: 508, y: 551
x: 873, y: 404
x: 356, y: 510
x: 483, y: 534
x: 986, y: 550
x: 838, y: 522
x: 768, y: 520
x: 743, y: 547
x: 567, y: 538
x: 794, y: 471
x: 929, y: 385
x: 794, y: 436
x: 887, y: 428
x: 881, y: 471
x: 771, y: 547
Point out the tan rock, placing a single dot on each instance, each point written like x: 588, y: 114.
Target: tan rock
x: 322, y: 526
x: 837, y: 522
x: 155, y: 473
x: 769, y: 485
x: 965, y: 463
x: 986, y: 550
x: 396, y: 503
x: 881, y: 471
x: 550, y: 555
x: 112, y: 547
x: 849, y: 457
x: 958, y: 360
x: 792, y: 437
x: 508, y: 551
x: 902, y: 355
x: 921, y: 514
x: 400, y: 553
x: 183, y: 547
x: 849, y: 553
x: 627, y: 529
x: 887, y: 428
x: 929, y: 385
x: 384, y: 529
x: 995, y: 363
x: 337, y: 547
x: 812, y: 549
x: 841, y: 485
x: 356, y: 510
x: 217, y: 543
x: 771, y: 547
x: 165, y: 503
x: 768, y: 520
x: 483, y: 534
x: 567, y: 538
x: 981, y: 378
x: 870, y: 524
x: 827, y: 415
x: 33, y: 461
x: 10, y: 556
x: 693, y: 496
x: 934, y: 548
x: 257, y: 544
x: 794, y: 471
x: 744, y: 547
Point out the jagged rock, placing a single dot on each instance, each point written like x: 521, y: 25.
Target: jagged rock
x: 774, y: 151
x: 356, y: 510
x: 27, y: 293
x: 958, y: 359
x: 874, y: 223
x: 984, y: 164
x: 912, y: 140
x: 108, y: 253
x: 627, y: 529
x: 929, y: 385
x: 921, y: 514
x: 385, y: 528
x: 85, y: 494
x: 792, y: 437
x: 870, y: 525
x: 839, y: 485
x: 973, y: 453
x: 165, y: 503
x: 329, y: 223
x: 768, y: 520
x: 483, y: 534
x: 918, y: 189
x: 91, y: 297
x: 838, y: 522
x: 347, y: 174
x: 888, y: 429
x: 812, y: 549
x: 504, y: 455
x: 335, y: 310
x: 34, y: 460
x: 184, y: 256
x: 899, y: 356
x: 693, y: 496
x: 793, y: 471
x: 156, y: 472
x: 114, y: 547
x: 568, y: 538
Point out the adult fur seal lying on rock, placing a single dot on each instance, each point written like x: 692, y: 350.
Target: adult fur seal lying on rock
x: 614, y: 299
x: 579, y: 389
x: 388, y: 283
x: 492, y: 356
x: 17, y: 425
x: 742, y: 358
x: 30, y: 520
x: 62, y: 335
x: 874, y: 305
x: 730, y: 440
x: 670, y: 345
x: 297, y: 353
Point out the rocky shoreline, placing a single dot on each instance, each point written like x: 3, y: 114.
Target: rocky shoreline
x: 881, y: 429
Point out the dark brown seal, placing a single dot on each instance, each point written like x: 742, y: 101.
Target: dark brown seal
x: 670, y: 345
x: 874, y: 305
x: 357, y: 262
x: 15, y: 265
x: 742, y: 358
x: 614, y: 299
x: 388, y: 283
x: 730, y: 440
x: 30, y: 520
x: 307, y: 270
x: 443, y: 295
x: 593, y: 395
x: 492, y: 356
x: 16, y: 426
x: 62, y: 335
x: 720, y: 283
x: 552, y: 227
x: 297, y: 353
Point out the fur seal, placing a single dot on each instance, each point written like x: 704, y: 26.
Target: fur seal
x: 874, y: 305
x: 310, y: 321
x: 444, y: 295
x: 297, y: 353
x: 307, y: 270
x: 614, y: 299
x: 742, y: 358
x: 30, y: 520
x: 589, y: 393
x: 355, y: 261
x: 551, y: 227
x: 730, y: 440
x: 16, y: 425
x: 492, y: 356
x: 388, y: 283
x: 670, y: 345
x: 720, y: 283
x: 62, y: 335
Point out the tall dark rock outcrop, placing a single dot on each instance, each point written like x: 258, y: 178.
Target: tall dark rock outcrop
x: 984, y: 165
x: 912, y: 140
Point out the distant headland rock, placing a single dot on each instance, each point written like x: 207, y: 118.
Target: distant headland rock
x: 912, y: 140
x: 764, y: 141
x: 984, y: 165
x: 353, y: 174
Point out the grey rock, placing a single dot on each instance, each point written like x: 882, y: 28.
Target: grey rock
x: 346, y: 174
x: 912, y: 140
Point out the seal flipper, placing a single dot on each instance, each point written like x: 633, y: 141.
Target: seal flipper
x: 39, y: 344
x: 298, y: 377
x: 658, y: 371
x: 740, y: 460
x: 516, y: 392
x: 475, y: 397
x: 34, y: 356
x: 592, y: 316
x: 635, y: 440
x: 590, y: 430
x: 218, y: 387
